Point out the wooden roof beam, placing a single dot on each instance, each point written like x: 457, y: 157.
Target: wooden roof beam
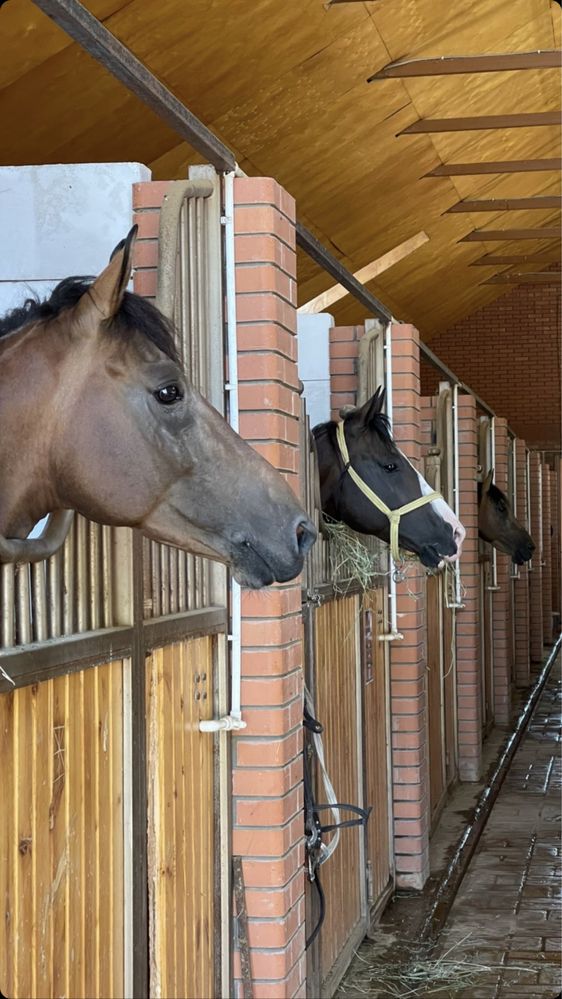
x: 449, y: 65
x: 491, y: 235
x: 525, y: 120
x: 506, y: 204
x: 495, y: 166
x: 535, y: 277
x: 367, y: 273
x: 493, y: 260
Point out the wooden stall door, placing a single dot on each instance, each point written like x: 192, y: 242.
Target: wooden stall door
x: 376, y: 742
x: 62, y: 833
x: 337, y: 693
x: 181, y: 821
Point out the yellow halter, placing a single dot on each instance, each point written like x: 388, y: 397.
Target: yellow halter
x: 393, y: 515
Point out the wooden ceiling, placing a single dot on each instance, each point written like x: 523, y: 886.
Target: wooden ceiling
x: 284, y: 85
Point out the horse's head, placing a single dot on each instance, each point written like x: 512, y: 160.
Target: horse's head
x: 431, y: 531
x: 498, y: 525
x: 98, y: 416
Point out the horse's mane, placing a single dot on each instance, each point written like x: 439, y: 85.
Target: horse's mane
x: 379, y: 424
x: 136, y: 314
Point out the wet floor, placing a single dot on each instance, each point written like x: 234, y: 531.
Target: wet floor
x: 502, y: 938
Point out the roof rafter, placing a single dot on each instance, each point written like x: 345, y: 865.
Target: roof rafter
x: 490, y: 235
x: 493, y: 260
x: 531, y: 119
x: 534, y: 277
x: 506, y: 204
x: 449, y: 65
x: 495, y: 166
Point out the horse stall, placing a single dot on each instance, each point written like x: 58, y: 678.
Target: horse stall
x: 111, y: 834
x: 347, y: 675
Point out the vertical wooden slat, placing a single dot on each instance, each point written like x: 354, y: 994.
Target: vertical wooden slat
x: 23, y: 781
x: 43, y: 766
x: 181, y: 821
x: 8, y: 854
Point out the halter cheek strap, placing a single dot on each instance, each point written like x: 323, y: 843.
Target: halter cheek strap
x: 393, y: 515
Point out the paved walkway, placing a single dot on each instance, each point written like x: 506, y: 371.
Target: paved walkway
x: 508, y: 908
x: 502, y: 939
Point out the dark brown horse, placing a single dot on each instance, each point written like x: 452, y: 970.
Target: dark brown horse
x: 498, y: 525
x: 97, y: 416
x: 432, y: 531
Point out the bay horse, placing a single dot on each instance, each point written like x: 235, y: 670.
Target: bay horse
x: 361, y: 448
x: 97, y: 416
x: 498, y: 525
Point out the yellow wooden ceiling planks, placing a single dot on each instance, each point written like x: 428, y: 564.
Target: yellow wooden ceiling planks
x: 28, y: 37
x: 214, y: 54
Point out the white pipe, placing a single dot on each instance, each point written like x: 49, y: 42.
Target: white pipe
x: 232, y: 721
x: 494, y: 585
x: 456, y: 490
x: 515, y: 572
x: 393, y: 634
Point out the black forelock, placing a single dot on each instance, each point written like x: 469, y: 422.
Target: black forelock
x: 136, y: 315
x: 378, y: 424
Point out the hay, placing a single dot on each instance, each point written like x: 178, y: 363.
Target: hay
x: 352, y: 563
x: 419, y: 975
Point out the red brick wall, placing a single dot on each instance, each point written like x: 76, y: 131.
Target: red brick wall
x: 408, y: 659
x: 267, y: 775
x: 521, y: 585
x: 469, y: 664
x: 509, y: 353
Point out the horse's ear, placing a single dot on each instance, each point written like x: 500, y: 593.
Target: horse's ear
x: 106, y: 292
x: 487, y: 482
x: 373, y: 406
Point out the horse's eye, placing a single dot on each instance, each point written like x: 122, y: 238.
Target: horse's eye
x: 168, y: 394
x: 391, y: 467
x: 502, y: 506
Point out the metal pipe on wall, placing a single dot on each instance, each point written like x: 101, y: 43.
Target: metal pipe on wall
x: 232, y: 721
x: 393, y: 634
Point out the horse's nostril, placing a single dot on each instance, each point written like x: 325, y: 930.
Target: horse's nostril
x: 306, y: 536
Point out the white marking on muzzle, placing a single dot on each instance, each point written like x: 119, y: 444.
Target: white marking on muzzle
x: 443, y: 510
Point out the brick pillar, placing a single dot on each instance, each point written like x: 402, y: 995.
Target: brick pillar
x: 344, y: 353
x: 267, y: 777
x: 546, y: 557
x: 408, y: 657
x: 521, y: 621
x: 469, y: 660
x: 536, y: 572
x: 501, y: 608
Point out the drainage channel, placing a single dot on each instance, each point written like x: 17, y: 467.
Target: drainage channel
x: 450, y: 883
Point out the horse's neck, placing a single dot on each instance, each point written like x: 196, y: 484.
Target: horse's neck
x: 25, y: 401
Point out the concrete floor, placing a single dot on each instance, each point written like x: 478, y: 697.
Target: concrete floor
x: 502, y: 938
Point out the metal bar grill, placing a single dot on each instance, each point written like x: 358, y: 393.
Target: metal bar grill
x: 68, y: 594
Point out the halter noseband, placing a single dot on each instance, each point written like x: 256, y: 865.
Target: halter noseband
x: 393, y: 515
